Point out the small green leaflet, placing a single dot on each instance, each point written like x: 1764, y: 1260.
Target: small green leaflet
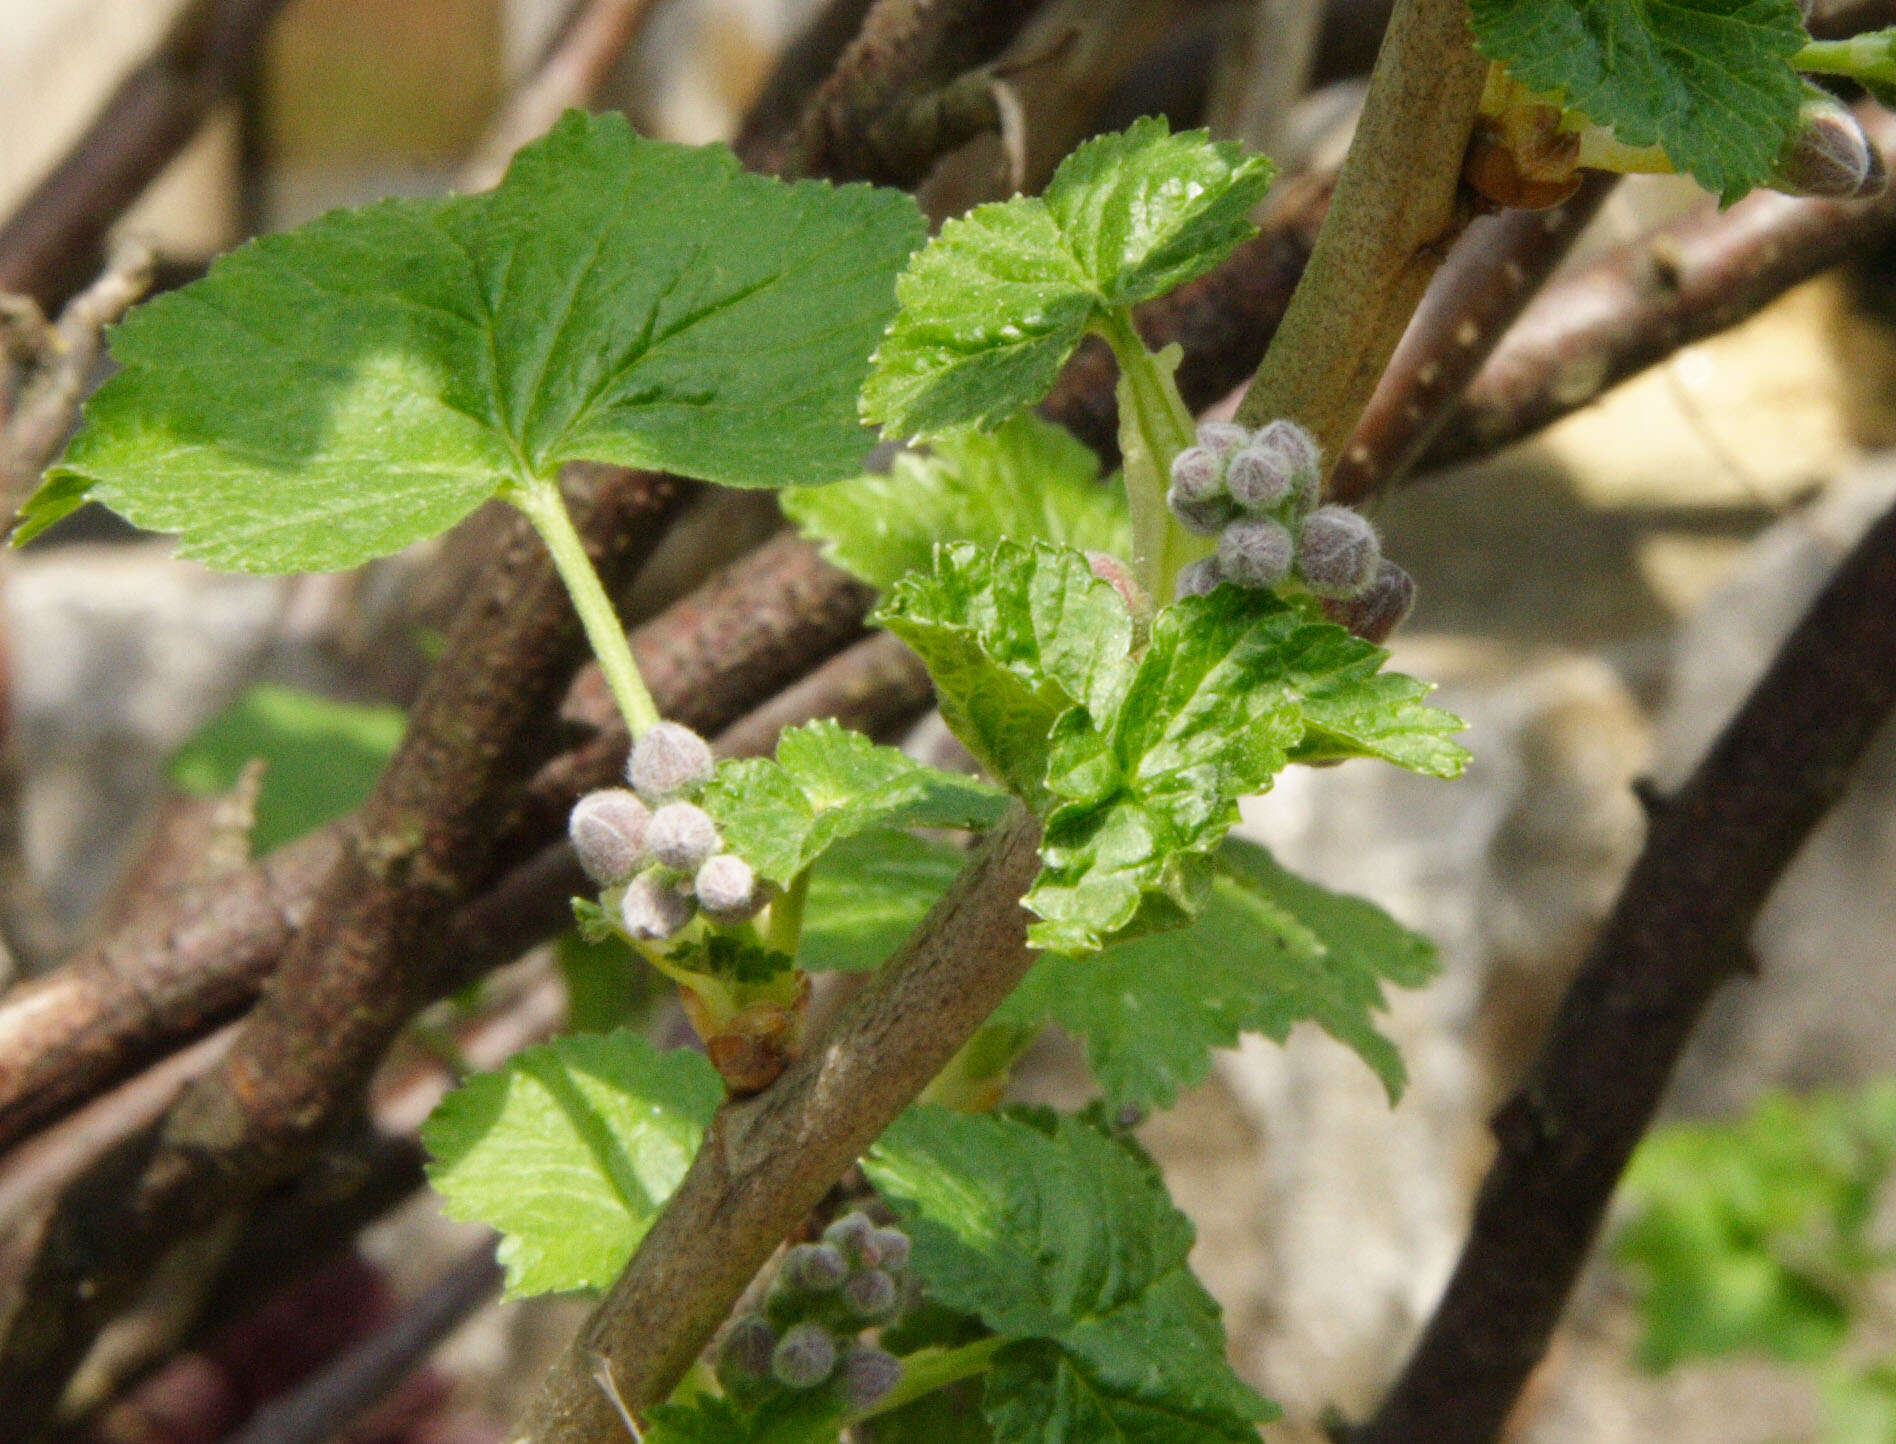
x: 1137, y: 765
x: 1015, y: 636
x: 1028, y: 481
x: 1710, y: 81
x: 1756, y: 1234
x: 828, y: 783
x: 867, y: 893
x: 1231, y: 688
x: 336, y: 392
x: 996, y: 303
x: 321, y: 757
x: 569, y: 1150
x: 1060, y: 1236
x: 1269, y: 950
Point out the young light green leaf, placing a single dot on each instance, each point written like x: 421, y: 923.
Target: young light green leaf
x: 1014, y: 636
x: 333, y: 393
x: 1708, y: 80
x: 321, y: 757
x: 1028, y: 481
x: 1269, y: 950
x: 997, y: 301
x: 569, y: 1150
x: 1061, y: 1237
x: 867, y: 893
x: 1351, y: 708
x: 828, y: 783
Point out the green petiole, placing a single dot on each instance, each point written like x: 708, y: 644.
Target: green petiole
x: 926, y: 1370
x: 540, y: 500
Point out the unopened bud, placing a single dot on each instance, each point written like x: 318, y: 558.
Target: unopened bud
x: 851, y: 1233
x: 1295, y: 452
x: 1197, y: 474
x: 887, y: 1248
x: 1205, y: 518
x: 1828, y: 154
x: 608, y: 832
x: 670, y: 760
x: 744, y: 1353
x: 654, y: 910
x: 682, y: 836
x: 816, y: 1268
x: 1337, y: 552
x: 1254, y: 552
x: 872, y: 1296
x: 1221, y: 438
x: 1380, y: 607
x: 1198, y: 579
x: 869, y: 1376
x: 804, y: 1357
x: 1257, y: 481
x: 727, y: 889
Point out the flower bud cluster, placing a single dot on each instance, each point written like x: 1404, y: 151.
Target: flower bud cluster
x: 656, y: 843
x: 1257, y: 492
x: 807, y: 1334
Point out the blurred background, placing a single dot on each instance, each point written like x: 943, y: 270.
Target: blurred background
x: 1595, y: 601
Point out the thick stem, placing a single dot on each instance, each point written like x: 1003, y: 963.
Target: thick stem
x: 1869, y: 57
x: 1396, y: 209
x: 785, y: 927
x: 543, y: 505
x: 1154, y: 427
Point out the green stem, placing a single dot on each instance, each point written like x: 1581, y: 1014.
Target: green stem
x: 785, y: 928
x: 977, y: 1075
x: 1154, y: 426
x: 926, y: 1370
x: 540, y: 500
x: 1871, y: 56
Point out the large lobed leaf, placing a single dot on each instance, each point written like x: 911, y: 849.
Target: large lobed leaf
x: 1061, y: 1238
x: 1708, y: 80
x: 998, y: 300
x: 333, y: 393
x: 1028, y: 481
x: 828, y: 783
x: 866, y: 896
x: 569, y: 1150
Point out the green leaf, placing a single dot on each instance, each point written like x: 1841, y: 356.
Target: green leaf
x: 828, y: 783
x: 1060, y: 1236
x: 608, y: 985
x: 996, y: 303
x: 336, y: 392
x: 782, y: 1419
x: 1269, y: 950
x: 866, y: 896
x: 1014, y: 637
x: 1231, y: 688
x: 322, y: 757
x: 1029, y: 481
x: 569, y: 1150
x: 1708, y: 80
x: 1752, y: 1235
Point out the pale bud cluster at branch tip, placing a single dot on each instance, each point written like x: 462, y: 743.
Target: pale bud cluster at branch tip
x: 657, y: 847
x: 1257, y: 492
x: 806, y: 1336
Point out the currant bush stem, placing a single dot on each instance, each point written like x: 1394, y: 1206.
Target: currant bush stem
x: 1860, y: 57
x: 540, y: 500
x: 1154, y: 426
x: 785, y: 927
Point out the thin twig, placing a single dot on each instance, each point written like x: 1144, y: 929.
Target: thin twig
x: 1638, y: 304
x: 769, y: 1159
x: 1494, y: 271
x: 1397, y: 208
x: 367, y: 1373
x: 1715, y: 851
x: 594, y: 43
x: 52, y: 242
